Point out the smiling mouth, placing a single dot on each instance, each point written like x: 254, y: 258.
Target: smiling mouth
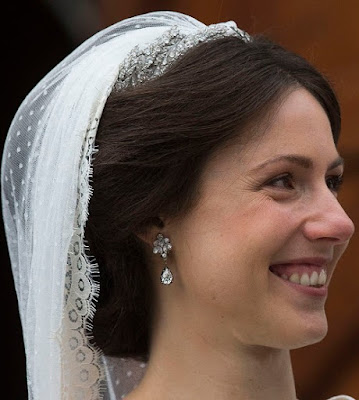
x: 303, y: 275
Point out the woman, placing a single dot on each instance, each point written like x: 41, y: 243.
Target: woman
x: 196, y: 247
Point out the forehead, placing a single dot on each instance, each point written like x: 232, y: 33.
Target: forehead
x: 296, y: 125
x: 298, y: 114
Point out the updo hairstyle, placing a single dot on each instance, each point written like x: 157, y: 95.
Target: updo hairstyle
x: 153, y: 143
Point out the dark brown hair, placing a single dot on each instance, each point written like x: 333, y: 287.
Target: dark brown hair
x: 154, y: 141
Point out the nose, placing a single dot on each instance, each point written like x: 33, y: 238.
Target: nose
x: 328, y: 220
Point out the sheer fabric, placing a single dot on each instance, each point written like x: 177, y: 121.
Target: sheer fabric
x: 45, y: 176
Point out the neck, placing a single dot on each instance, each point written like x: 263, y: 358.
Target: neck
x: 198, y: 364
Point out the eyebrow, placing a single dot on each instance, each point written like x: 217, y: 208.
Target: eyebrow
x: 302, y: 161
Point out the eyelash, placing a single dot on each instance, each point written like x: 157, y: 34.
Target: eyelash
x: 337, y: 182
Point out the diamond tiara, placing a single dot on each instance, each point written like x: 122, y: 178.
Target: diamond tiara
x: 143, y: 64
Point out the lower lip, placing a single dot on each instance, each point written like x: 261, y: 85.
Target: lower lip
x: 308, y: 290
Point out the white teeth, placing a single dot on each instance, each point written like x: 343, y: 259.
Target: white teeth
x: 305, y: 280
x: 314, y: 278
x: 294, y: 278
x: 322, y: 277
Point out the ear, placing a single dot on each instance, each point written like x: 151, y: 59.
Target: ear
x: 149, y: 235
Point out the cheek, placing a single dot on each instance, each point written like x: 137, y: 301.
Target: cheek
x: 224, y: 251
x: 260, y: 231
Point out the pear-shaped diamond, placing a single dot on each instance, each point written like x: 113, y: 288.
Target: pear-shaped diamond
x: 166, y: 276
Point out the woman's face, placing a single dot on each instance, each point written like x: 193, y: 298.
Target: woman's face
x: 253, y: 215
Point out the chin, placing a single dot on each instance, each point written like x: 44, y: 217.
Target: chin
x: 313, y: 331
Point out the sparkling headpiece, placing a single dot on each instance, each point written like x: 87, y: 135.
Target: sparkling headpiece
x: 143, y: 64
x: 46, y: 188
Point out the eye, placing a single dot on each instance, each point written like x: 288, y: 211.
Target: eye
x: 335, y: 182
x: 282, y: 182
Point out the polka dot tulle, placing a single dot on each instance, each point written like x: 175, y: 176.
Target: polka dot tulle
x: 25, y: 159
x: 124, y: 375
x: 45, y: 182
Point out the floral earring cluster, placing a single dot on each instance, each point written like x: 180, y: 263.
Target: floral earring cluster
x: 162, y: 246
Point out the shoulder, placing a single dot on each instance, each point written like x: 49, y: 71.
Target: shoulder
x: 342, y: 397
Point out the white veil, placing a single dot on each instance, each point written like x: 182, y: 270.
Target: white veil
x: 45, y: 179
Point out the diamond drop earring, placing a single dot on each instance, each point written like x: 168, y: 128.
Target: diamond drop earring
x: 162, y: 246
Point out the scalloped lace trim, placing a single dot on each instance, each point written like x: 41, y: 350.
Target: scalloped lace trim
x: 82, y: 369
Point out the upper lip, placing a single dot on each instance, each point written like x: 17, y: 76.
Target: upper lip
x: 320, y: 261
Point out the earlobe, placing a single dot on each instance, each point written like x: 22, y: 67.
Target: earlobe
x: 148, y: 235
